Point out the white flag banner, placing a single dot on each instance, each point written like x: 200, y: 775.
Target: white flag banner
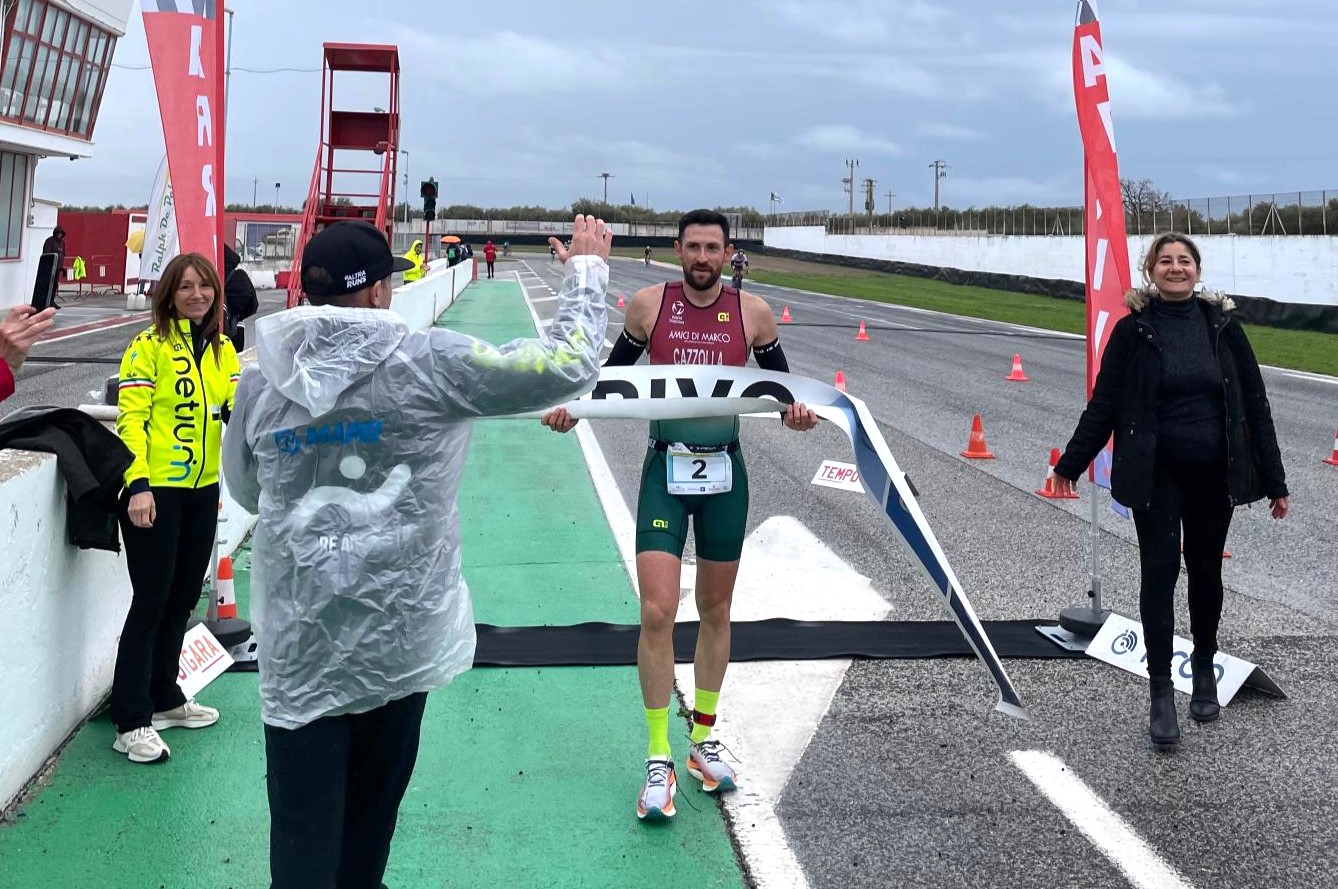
x: 160, y: 232
x: 663, y: 392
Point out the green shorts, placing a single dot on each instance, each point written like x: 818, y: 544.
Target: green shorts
x: 718, y: 520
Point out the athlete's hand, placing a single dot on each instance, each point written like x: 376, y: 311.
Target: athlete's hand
x: 589, y: 237
x: 142, y: 510
x: 799, y: 418
x: 559, y: 419
x: 1279, y: 507
x: 1065, y: 487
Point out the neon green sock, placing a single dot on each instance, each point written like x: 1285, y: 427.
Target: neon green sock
x: 657, y: 732
x: 703, y: 713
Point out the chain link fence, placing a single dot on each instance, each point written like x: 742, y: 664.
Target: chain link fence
x: 1277, y: 214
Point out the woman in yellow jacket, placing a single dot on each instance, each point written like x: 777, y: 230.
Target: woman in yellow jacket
x: 178, y: 379
x: 415, y: 256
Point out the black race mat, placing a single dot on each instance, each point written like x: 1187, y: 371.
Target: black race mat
x: 605, y: 645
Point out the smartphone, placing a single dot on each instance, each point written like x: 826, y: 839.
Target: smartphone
x: 48, y: 274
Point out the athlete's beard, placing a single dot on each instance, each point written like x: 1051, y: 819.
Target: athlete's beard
x: 690, y: 274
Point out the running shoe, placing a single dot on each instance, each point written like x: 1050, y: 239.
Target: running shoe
x: 656, y: 802
x: 706, y: 765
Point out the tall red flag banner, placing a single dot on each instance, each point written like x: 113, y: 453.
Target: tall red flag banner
x: 1103, y: 206
x: 185, y: 41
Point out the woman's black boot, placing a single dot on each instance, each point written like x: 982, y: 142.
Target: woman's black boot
x: 1203, y: 706
x: 1163, y: 727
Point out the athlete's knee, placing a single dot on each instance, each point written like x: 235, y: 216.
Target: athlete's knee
x: 658, y: 612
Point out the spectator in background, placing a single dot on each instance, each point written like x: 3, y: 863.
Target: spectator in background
x: 239, y: 294
x: 418, y: 267
x: 489, y: 256
x: 178, y: 378
x: 452, y: 254
x: 20, y: 329
x: 56, y: 244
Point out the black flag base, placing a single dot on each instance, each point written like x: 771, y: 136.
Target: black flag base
x: 1083, y: 621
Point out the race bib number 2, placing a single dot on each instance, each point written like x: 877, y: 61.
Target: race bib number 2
x: 698, y: 472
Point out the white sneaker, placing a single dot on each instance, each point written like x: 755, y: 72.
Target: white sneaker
x: 142, y: 745
x: 188, y: 715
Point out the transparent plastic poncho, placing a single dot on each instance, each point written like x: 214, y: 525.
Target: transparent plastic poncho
x: 348, y: 440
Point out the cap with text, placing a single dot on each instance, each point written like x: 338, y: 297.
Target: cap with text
x: 346, y: 257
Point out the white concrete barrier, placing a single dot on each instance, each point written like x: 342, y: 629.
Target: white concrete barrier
x: 1301, y: 269
x: 62, y: 608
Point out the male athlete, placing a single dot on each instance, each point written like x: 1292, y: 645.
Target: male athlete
x: 698, y: 320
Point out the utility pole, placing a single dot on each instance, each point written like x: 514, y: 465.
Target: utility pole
x: 606, y: 176
x: 849, y: 181
x: 276, y: 197
x: 255, y: 188
x: 890, y: 195
x: 940, y: 169
x: 868, y: 198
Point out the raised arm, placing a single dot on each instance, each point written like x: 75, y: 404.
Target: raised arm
x: 479, y: 379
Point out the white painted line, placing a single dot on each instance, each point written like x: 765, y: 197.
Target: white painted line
x: 543, y: 299
x: 1305, y: 375
x: 1098, y: 822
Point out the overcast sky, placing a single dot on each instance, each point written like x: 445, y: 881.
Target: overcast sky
x: 720, y: 103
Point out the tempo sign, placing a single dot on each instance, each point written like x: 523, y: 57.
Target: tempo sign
x: 844, y: 476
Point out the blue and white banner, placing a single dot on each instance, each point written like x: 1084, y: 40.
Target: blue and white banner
x: 662, y: 392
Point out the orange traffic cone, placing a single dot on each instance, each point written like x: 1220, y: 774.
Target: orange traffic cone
x: 785, y: 315
x: 1333, y: 460
x: 863, y: 335
x: 227, y: 597
x: 976, y: 449
x: 1049, y: 490
x: 840, y: 381
x: 621, y: 304
x: 1017, y: 376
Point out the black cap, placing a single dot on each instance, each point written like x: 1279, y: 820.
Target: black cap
x: 346, y: 257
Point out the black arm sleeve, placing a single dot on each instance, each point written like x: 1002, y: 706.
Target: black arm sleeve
x: 771, y: 357
x: 626, y: 351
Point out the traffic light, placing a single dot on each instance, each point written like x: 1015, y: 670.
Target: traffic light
x: 427, y: 190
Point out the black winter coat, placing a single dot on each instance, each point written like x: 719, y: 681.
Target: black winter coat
x: 91, y: 459
x: 1124, y: 402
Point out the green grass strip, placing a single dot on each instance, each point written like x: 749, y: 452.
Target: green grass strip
x: 1296, y: 349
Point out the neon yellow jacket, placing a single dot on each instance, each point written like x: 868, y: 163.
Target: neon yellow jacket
x: 415, y: 256
x: 172, y: 429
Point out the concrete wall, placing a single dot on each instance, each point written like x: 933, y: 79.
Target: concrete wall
x: 61, y: 608
x: 1301, y: 269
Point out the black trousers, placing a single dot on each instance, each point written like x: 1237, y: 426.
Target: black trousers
x: 490, y: 262
x: 1192, y: 496
x: 335, y: 788
x: 167, y: 563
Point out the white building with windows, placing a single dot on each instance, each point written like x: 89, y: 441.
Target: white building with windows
x: 54, y: 59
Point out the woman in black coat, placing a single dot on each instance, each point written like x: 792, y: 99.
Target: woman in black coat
x: 1181, y: 391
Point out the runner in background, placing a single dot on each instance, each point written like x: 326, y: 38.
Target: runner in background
x: 739, y: 263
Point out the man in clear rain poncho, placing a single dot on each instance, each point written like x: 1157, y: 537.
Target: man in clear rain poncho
x: 349, y: 440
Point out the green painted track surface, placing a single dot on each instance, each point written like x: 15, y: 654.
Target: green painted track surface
x: 526, y: 777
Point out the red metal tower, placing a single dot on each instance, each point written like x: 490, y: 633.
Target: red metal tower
x: 342, y: 183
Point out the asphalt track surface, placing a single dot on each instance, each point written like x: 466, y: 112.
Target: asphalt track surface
x: 910, y: 779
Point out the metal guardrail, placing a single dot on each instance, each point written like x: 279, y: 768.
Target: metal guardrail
x: 1276, y: 214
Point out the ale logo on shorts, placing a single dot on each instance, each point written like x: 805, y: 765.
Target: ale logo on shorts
x: 660, y: 524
